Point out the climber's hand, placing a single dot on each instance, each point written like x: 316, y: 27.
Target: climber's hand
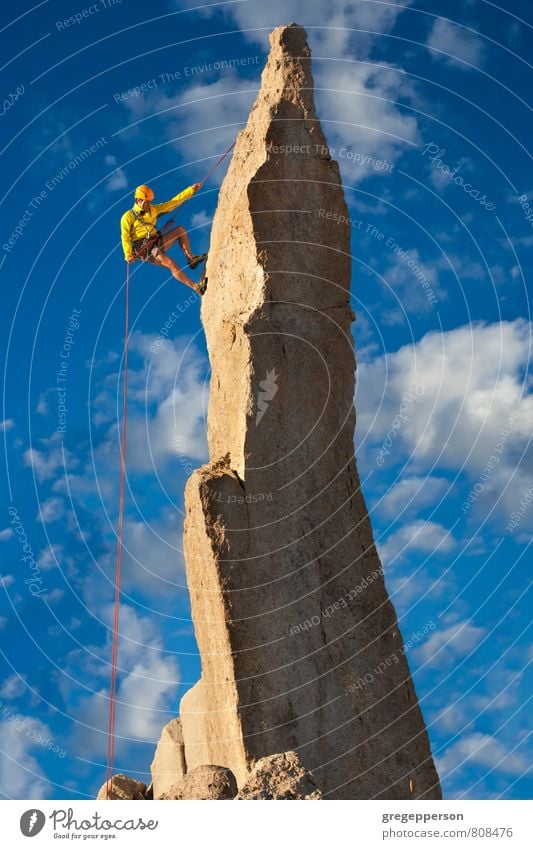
x: 131, y: 259
x: 197, y: 186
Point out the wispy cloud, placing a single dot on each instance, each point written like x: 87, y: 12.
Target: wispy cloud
x: 455, y: 45
x: 13, y: 687
x: 51, y: 510
x: 147, y: 687
x: 360, y: 102
x: 168, y: 394
x: 471, y: 379
x: 118, y: 179
x: 411, y: 495
x: 484, y: 750
x: 47, y: 461
x: 443, y: 647
x: 21, y: 776
x: 424, y: 537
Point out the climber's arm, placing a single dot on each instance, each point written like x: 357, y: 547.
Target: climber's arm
x: 125, y: 235
x: 177, y: 200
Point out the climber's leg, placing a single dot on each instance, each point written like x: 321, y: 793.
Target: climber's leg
x: 180, y: 235
x: 168, y: 262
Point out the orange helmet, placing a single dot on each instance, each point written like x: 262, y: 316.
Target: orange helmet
x: 144, y: 192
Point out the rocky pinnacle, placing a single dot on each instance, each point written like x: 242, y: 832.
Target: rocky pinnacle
x: 299, y: 642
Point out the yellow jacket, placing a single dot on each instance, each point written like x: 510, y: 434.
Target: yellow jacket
x: 131, y: 228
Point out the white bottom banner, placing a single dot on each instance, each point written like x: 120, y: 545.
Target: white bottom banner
x: 261, y: 825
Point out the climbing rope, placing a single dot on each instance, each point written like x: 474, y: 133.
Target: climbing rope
x: 118, y: 568
x: 217, y: 163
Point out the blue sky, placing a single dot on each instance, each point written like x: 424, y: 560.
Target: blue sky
x: 425, y: 104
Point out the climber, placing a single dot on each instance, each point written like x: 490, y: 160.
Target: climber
x: 142, y: 240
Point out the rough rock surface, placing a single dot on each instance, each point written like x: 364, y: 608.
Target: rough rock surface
x: 168, y: 765
x: 299, y: 642
x: 279, y: 777
x: 123, y: 787
x: 204, y: 782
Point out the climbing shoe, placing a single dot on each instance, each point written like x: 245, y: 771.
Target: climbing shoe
x: 201, y: 286
x: 196, y: 260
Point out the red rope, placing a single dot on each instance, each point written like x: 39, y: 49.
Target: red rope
x: 217, y: 163
x: 118, y: 569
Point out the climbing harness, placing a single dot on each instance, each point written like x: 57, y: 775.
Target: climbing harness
x: 118, y: 566
x: 150, y: 241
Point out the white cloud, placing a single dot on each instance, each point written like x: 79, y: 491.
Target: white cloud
x: 7, y: 424
x: 202, y: 121
x: 50, y: 557
x: 83, y: 485
x: 51, y: 510
x: 467, y: 269
x: 407, y: 274
x: 417, y: 282
x: 358, y: 109
x: 469, y: 381
x: 42, y: 405
x: 6, y: 533
x: 118, y: 179
x: 474, y: 404
x: 444, y: 647
x: 46, y: 463
x: 440, y: 179
x: 329, y: 25
x: 7, y: 580
x: 20, y: 774
x: 411, y: 495
x: 54, y: 595
x: 456, y: 46
x: 168, y: 396
x: 200, y: 220
x: 483, y: 750
x: 153, y: 558
x: 13, y: 687
x: 503, y: 691
x: 146, y: 693
x: 407, y: 589
x: 364, y: 97
x: 420, y: 536
x: 107, y: 359
x: 358, y: 103
x: 452, y: 718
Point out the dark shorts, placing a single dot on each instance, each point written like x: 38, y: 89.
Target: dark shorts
x: 148, y: 253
